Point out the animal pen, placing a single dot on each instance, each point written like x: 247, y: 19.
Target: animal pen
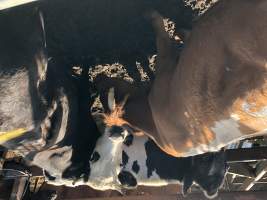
x: 246, y: 177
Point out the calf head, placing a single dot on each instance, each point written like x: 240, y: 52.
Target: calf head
x: 112, y: 120
x: 106, y: 158
x: 208, y: 171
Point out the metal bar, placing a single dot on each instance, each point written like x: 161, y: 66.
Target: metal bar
x: 241, y: 169
x: 260, y: 172
x: 255, y: 195
x: 4, y: 4
x: 18, y: 188
x: 246, y: 155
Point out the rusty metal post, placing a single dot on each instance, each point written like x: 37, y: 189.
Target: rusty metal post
x: 18, y: 188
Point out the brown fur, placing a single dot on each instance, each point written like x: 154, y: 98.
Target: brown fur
x: 115, y: 117
x: 222, y: 66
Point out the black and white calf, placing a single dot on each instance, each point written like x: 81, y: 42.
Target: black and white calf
x: 126, y: 161
x: 121, y: 160
x: 138, y: 161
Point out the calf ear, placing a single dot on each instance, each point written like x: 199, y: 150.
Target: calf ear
x: 111, y: 99
x: 187, y: 183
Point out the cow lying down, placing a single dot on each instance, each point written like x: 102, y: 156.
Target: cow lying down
x: 124, y: 161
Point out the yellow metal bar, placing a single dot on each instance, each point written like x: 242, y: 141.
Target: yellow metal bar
x: 6, y: 136
x: 4, y: 4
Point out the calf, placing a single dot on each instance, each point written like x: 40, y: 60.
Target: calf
x: 136, y: 160
x: 216, y: 93
x: 123, y: 161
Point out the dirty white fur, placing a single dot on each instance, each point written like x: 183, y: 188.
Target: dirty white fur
x: 225, y: 131
x: 104, y: 172
x: 261, y: 113
x: 13, y: 101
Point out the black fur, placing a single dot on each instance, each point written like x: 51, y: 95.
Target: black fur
x: 125, y: 158
x: 135, y: 167
x: 127, y: 179
x: 207, y: 170
x: 116, y: 131
x: 128, y: 140
x: 95, y: 157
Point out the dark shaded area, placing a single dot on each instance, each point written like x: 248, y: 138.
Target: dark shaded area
x: 103, y: 31
x: 44, y: 195
x: 22, y: 42
x: 86, y: 134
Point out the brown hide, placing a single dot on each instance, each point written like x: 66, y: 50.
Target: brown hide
x: 221, y: 70
x: 217, y: 92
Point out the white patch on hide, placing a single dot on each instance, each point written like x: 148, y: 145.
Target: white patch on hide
x: 261, y: 113
x: 104, y: 172
x: 235, y: 117
x: 226, y: 131
x: 137, y: 152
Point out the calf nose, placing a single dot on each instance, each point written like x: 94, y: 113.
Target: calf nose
x: 116, y: 132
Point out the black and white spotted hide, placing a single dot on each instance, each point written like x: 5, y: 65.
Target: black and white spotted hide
x: 143, y: 163
x: 104, y: 165
x: 121, y: 160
